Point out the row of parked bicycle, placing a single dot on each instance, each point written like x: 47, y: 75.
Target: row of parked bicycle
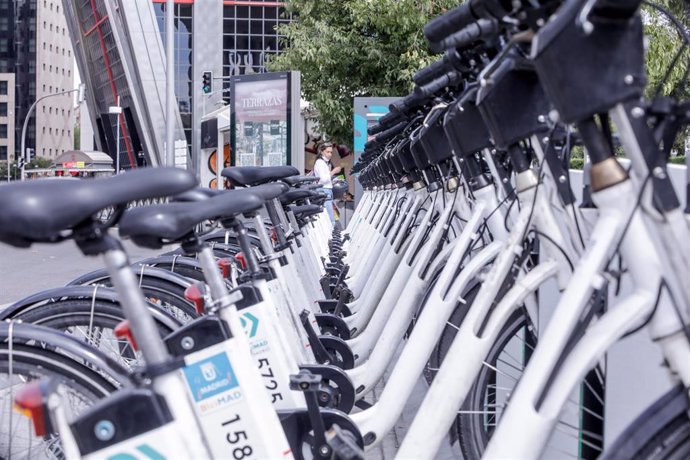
x: 262, y: 333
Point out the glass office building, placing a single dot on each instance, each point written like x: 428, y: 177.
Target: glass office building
x: 249, y: 37
x: 118, y: 56
x: 35, y: 61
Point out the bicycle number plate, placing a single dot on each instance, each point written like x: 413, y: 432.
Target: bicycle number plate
x: 270, y: 357
x: 224, y: 405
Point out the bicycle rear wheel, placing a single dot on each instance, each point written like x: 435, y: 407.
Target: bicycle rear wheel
x: 91, y: 321
x: 84, y: 386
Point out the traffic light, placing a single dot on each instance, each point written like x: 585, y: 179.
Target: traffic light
x: 207, y: 82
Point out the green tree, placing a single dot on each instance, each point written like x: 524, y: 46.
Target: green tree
x: 666, y: 74
x: 14, y: 172
x: 40, y: 162
x: 348, y: 48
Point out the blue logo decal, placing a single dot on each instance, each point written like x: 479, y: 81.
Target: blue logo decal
x: 210, y: 377
x: 250, y: 324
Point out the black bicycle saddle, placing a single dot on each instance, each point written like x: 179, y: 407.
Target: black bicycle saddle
x: 256, y: 175
x: 42, y: 210
x: 154, y: 226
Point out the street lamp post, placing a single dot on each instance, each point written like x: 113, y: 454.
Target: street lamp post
x: 169, y: 83
x: 117, y: 110
x: 22, y: 151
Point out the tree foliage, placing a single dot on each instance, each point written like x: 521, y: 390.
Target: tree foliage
x: 348, y: 48
x: 15, y: 172
x: 668, y: 56
x: 664, y: 41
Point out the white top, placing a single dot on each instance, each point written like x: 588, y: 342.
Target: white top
x: 323, y: 172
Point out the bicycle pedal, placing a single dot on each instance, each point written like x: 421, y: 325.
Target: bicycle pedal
x: 305, y: 381
x: 362, y: 404
x: 343, y: 444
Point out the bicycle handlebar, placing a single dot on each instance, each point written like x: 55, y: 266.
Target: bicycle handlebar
x: 394, y: 131
x: 430, y: 72
x: 422, y: 94
x: 479, y: 29
x: 384, y: 123
x: 458, y: 18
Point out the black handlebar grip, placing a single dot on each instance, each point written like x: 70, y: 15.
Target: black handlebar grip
x: 430, y: 72
x: 392, y: 132
x: 410, y: 101
x: 439, y: 28
x: 385, y: 122
x: 377, y: 128
x: 449, y: 79
x: 482, y: 28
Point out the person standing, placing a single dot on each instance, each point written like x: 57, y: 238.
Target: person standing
x: 324, y: 170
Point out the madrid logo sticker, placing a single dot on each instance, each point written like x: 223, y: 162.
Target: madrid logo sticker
x: 210, y: 376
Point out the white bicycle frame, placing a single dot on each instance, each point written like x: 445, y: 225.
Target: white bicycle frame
x: 458, y: 371
x: 544, y: 389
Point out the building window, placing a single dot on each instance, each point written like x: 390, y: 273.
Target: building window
x: 44, y: 131
x: 50, y: 110
x: 3, y: 131
x: 4, y: 24
x: 44, y: 109
x: 51, y: 27
x: 3, y: 109
x: 4, y: 45
x: 3, y: 152
x: 69, y: 53
x: 50, y: 130
x: 3, y: 87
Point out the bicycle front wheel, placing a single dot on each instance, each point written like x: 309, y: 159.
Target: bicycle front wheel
x: 662, y: 432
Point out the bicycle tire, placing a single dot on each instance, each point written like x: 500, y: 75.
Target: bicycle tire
x: 188, y: 272
x: 169, y: 296
x: 662, y: 431
x: 34, y: 362
x: 73, y: 316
